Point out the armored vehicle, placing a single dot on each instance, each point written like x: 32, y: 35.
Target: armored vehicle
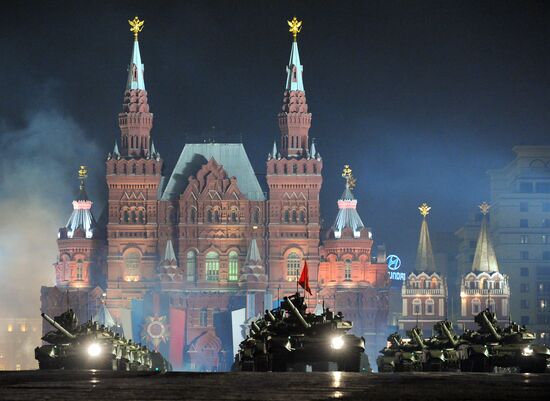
x: 92, y: 346
x: 290, y: 338
x: 441, y: 350
x: 494, y: 347
x: 400, y: 355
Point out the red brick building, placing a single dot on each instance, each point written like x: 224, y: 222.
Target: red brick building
x: 181, y: 252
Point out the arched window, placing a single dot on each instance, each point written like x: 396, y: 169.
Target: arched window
x: 417, y: 306
x: 314, y: 169
x: 496, y: 285
x: 305, y: 168
x: 203, y: 317
x: 476, y: 306
x: 292, y: 266
x: 294, y: 169
x: 133, y: 219
x: 133, y: 168
x: 302, y: 216
x: 233, y: 266
x: 234, y: 216
x: 192, y: 215
x: 209, y: 215
x: 491, y: 305
x: 212, y: 266
x: 126, y: 216
x: 141, y: 216
x: 132, y: 261
x: 285, y: 169
x: 79, y: 270
x: 216, y: 216
x: 143, y: 169
x: 286, y: 216
x: 256, y: 216
x: 429, y: 307
x: 191, y: 266
x: 347, y: 270
x: 294, y: 216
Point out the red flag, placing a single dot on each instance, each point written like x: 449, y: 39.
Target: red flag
x: 304, y: 279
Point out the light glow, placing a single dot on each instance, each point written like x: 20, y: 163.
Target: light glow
x: 94, y: 350
x: 337, y: 342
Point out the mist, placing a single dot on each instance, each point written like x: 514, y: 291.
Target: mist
x: 37, y: 184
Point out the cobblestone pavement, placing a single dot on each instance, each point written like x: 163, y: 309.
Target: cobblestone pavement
x: 90, y: 385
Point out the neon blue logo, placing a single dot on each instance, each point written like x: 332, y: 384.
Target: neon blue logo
x: 394, y: 263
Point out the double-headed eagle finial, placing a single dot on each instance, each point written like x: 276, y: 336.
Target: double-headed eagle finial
x: 136, y: 26
x: 82, y: 175
x: 348, y: 176
x: 484, y: 207
x: 424, y: 209
x: 295, y: 27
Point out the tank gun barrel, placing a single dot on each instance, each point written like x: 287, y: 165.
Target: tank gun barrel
x: 490, y: 326
x: 417, y: 338
x: 270, y: 315
x: 57, y: 325
x: 255, y: 327
x: 448, y: 334
x: 296, y: 313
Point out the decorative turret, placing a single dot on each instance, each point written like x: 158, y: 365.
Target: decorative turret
x: 82, y: 222
x: 294, y: 120
x: 168, y: 268
x: 253, y: 275
x: 135, y: 121
x: 425, y: 261
x: 347, y: 214
x: 77, y: 242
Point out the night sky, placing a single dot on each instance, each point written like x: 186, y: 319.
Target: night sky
x: 421, y: 98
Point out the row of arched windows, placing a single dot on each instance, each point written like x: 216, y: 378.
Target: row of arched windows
x: 417, y: 306
x: 212, y: 266
x: 133, y: 215
x: 426, y: 284
x: 295, y: 169
x: 133, y: 169
x: 213, y: 215
x: 294, y: 216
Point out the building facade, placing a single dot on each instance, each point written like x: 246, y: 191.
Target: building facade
x: 181, y: 252
x: 520, y: 229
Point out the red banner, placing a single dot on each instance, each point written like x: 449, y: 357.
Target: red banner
x: 177, y: 337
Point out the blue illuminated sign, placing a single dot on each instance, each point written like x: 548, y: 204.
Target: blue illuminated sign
x: 394, y: 263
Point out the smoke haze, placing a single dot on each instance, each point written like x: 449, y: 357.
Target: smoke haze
x: 37, y: 184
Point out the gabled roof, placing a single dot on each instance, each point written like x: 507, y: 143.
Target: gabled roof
x: 233, y: 158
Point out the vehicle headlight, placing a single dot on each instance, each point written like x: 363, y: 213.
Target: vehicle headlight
x: 94, y: 350
x: 527, y: 351
x: 337, y: 342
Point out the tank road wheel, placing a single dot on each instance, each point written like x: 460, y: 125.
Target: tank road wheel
x: 261, y: 363
x: 480, y: 363
x: 534, y: 365
x: 247, y: 365
x: 277, y: 364
x: 350, y: 363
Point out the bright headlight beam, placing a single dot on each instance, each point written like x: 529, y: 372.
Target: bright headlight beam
x: 94, y: 350
x: 337, y: 342
x: 527, y: 351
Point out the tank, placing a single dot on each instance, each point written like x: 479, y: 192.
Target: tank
x: 441, y: 349
x: 289, y: 338
x: 93, y: 346
x: 493, y: 347
x: 400, y: 355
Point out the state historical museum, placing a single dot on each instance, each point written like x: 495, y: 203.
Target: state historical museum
x: 182, y: 261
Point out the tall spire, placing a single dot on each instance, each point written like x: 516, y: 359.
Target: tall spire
x: 485, y: 259
x: 135, y: 121
x: 294, y: 120
x: 135, y: 68
x: 425, y: 261
x: 347, y: 214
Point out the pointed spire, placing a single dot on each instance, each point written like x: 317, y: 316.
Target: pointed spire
x: 253, y: 257
x: 116, y: 153
x: 294, y: 69
x: 485, y: 259
x: 153, y: 150
x: 169, y: 254
x: 313, y: 151
x: 135, y: 69
x: 274, y: 151
x: 425, y: 261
